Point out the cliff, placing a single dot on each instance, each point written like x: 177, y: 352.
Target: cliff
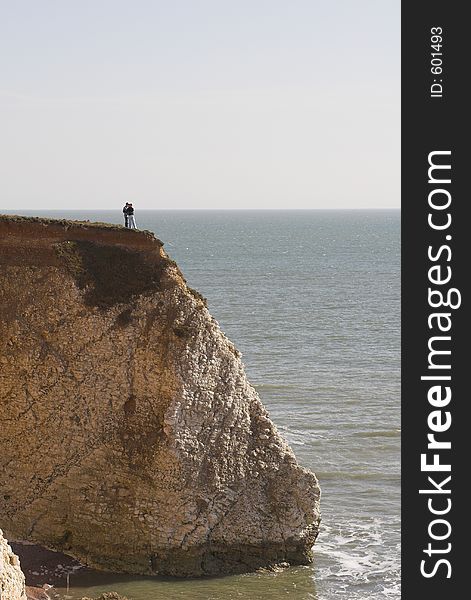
x: 12, y: 580
x: 130, y: 436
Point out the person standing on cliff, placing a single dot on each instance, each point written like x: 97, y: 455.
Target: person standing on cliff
x: 125, y: 213
x: 131, y: 220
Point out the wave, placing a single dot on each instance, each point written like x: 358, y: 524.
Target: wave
x: 371, y: 434
x: 359, y: 559
x: 367, y: 476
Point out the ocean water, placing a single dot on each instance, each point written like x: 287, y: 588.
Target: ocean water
x: 312, y: 300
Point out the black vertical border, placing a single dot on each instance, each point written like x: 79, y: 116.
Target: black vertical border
x: 431, y: 124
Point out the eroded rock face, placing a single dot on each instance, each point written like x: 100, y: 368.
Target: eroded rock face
x: 130, y: 436
x: 12, y: 580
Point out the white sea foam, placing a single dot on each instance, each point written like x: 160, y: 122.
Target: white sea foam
x: 358, y: 560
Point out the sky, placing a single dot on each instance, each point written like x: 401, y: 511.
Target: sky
x: 192, y: 104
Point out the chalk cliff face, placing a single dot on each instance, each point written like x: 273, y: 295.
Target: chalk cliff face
x: 12, y: 580
x: 130, y: 436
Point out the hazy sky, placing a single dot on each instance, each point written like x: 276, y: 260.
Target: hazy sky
x: 199, y: 103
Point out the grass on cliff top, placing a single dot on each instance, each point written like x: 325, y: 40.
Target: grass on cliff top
x: 63, y: 222
x: 66, y: 223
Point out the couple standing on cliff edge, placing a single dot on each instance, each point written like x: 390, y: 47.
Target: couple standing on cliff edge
x: 128, y: 212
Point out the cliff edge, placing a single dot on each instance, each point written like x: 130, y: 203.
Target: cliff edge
x: 130, y: 436
x: 12, y: 580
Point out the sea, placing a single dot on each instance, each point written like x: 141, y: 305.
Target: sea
x: 312, y: 300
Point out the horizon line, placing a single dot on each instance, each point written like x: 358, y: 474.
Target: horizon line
x: 203, y: 209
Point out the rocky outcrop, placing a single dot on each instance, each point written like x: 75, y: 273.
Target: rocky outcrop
x: 12, y: 580
x: 36, y: 593
x: 130, y: 436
